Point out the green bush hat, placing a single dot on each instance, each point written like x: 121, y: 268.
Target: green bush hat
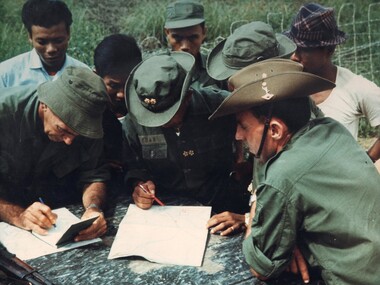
x: 250, y: 43
x: 275, y: 87
x: 157, y: 86
x: 254, y: 71
x: 78, y: 97
x: 183, y: 14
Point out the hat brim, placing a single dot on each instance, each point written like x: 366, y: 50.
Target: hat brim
x: 147, y: 118
x: 219, y: 71
x: 286, y: 47
x: 282, y: 86
x: 340, y: 38
x: 183, y: 23
x: 270, y: 66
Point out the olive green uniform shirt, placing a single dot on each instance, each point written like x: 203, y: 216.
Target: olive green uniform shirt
x: 32, y: 166
x: 321, y: 192
x: 194, y: 163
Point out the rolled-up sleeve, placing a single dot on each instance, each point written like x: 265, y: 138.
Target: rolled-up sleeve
x: 269, y: 247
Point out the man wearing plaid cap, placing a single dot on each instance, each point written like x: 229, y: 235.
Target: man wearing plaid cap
x: 316, y: 34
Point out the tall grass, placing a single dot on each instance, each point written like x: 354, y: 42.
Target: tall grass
x: 94, y: 19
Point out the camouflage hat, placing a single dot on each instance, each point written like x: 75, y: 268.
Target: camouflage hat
x: 156, y: 87
x: 271, y: 88
x: 183, y: 14
x: 248, y: 44
x: 78, y: 97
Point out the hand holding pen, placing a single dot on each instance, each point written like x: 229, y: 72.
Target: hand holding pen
x: 144, y: 195
x: 38, y: 217
x: 52, y: 221
x: 154, y: 197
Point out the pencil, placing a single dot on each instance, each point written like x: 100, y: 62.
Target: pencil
x: 154, y: 197
x: 42, y: 201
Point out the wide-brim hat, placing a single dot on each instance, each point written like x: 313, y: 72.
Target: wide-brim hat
x: 183, y: 14
x: 315, y: 26
x: 78, y: 97
x: 149, y: 72
x: 248, y: 44
x: 255, y: 71
x: 277, y: 87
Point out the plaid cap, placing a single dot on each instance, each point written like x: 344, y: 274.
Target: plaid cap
x: 315, y: 26
x: 183, y: 14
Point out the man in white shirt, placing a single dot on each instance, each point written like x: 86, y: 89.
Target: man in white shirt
x: 48, y: 25
x: 316, y: 34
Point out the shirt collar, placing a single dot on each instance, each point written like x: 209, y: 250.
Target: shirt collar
x: 35, y: 61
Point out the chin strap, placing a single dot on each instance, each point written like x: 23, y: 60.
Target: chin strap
x: 265, y: 131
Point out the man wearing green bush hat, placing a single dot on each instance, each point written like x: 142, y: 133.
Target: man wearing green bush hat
x: 307, y: 195
x: 176, y: 150
x: 248, y: 44
x: 51, y: 151
x: 185, y: 31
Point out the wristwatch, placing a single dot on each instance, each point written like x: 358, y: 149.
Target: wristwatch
x: 93, y: 206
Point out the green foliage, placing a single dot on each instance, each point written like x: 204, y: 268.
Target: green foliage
x: 95, y: 19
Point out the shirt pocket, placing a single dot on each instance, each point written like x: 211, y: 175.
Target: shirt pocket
x: 153, y: 147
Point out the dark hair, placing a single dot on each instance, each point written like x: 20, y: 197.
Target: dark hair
x: 295, y: 113
x: 45, y: 13
x: 116, y: 54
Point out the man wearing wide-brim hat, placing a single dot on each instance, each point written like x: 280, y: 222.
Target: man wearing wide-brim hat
x: 175, y: 149
x: 50, y: 151
x: 316, y: 34
x: 307, y: 194
x: 248, y: 46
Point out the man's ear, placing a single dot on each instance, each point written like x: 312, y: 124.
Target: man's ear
x: 277, y: 129
x: 167, y: 32
x: 43, y: 105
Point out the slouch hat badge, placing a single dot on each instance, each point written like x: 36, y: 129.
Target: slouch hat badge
x: 267, y: 95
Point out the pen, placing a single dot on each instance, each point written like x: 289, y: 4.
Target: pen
x: 154, y: 197
x: 42, y: 201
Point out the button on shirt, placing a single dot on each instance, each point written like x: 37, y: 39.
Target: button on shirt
x: 27, y: 69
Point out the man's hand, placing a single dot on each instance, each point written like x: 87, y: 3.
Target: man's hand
x: 143, y: 199
x: 226, y: 223
x: 298, y: 265
x: 38, y: 217
x: 98, y: 227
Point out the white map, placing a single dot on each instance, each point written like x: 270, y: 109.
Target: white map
x: 163, y: 234
x: 27, y: 246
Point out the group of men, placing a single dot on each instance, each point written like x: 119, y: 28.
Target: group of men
x: 175, y: 124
